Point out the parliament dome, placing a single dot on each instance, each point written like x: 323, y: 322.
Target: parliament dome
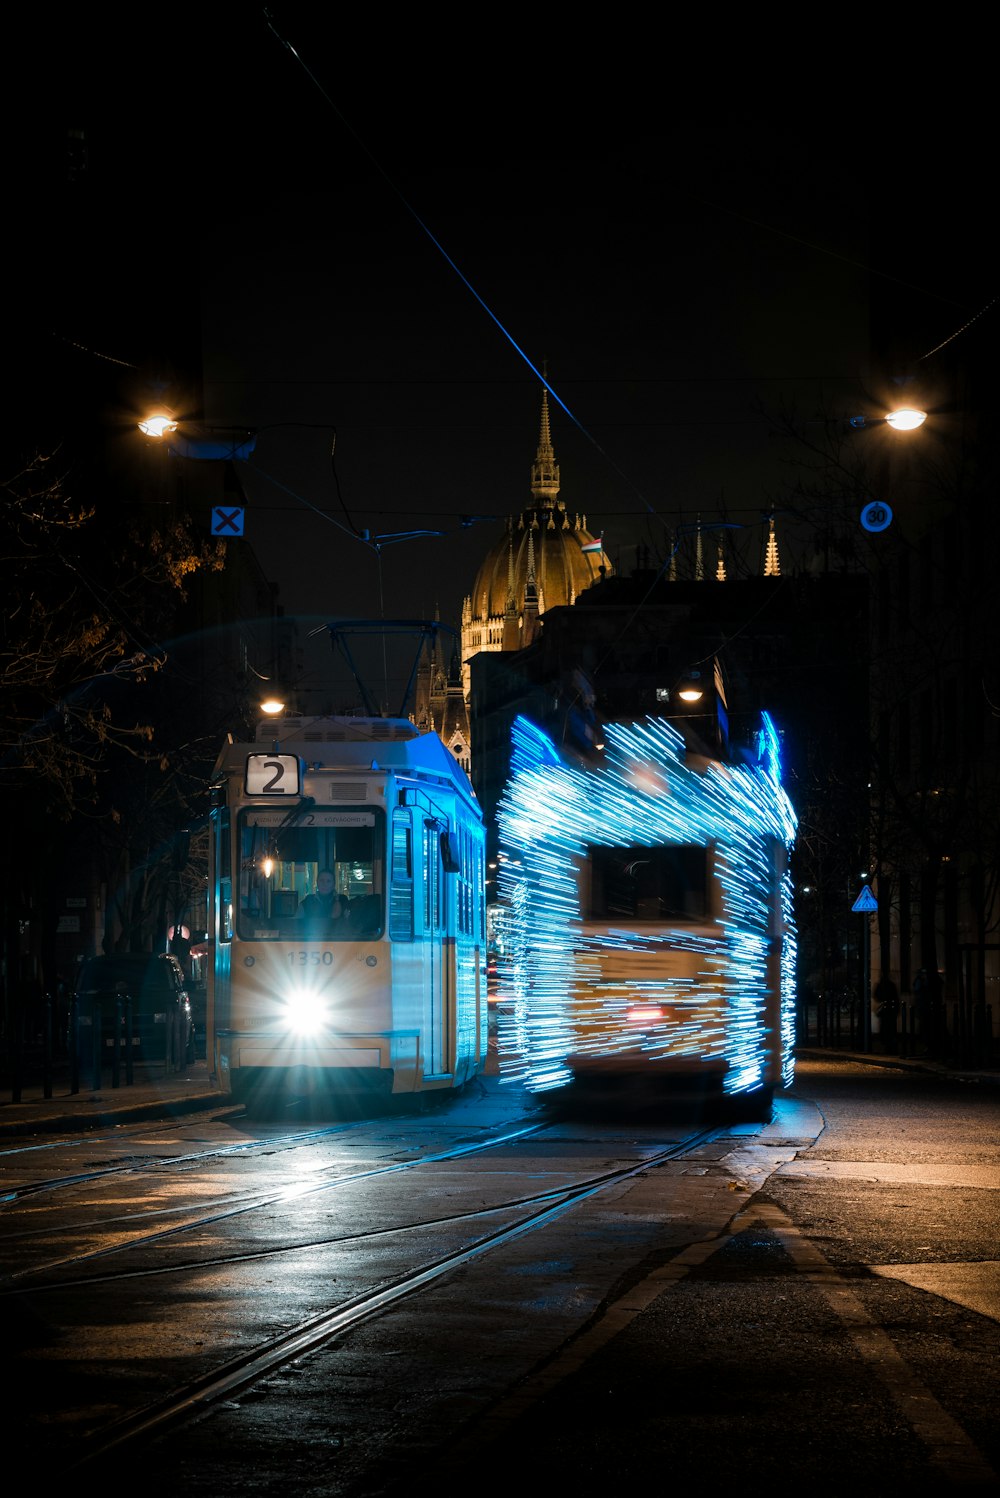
x: 544, y: 560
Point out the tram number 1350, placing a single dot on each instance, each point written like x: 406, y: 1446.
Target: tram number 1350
x: 310, y: 959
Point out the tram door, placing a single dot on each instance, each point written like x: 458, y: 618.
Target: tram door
x: 435, y: 969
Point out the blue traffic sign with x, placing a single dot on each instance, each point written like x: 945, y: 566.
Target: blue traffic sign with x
x: 227, y: 521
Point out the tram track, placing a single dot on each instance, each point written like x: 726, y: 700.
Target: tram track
x: 19, y: 1278
x: 12, y: 1196
x: 230, y: 1261
x: 197, y: 1398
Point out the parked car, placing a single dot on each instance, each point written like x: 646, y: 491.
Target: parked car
x: 154, y: 1002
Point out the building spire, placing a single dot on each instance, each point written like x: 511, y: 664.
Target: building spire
x: 530, y: 586
x: 545, y: 469
x: 510, y: 638
x: 772, y: 562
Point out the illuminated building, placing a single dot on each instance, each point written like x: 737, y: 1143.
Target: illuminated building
x: 545, y: 560
x: 440, y: 705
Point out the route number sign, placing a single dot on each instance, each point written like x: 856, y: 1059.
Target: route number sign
x: 273, y: 775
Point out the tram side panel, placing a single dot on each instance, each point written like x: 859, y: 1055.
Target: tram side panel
x: 449, y: 959
x: 464, y: 857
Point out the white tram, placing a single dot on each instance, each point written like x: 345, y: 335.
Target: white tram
x: 649, y: 918
x: 347, y: 912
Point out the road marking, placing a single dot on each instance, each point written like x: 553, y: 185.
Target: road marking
x: 949, y: 1448
x: 575, y: 1355
x: 976, y: 1286
x: 947, y: 1445
x: 980, y: 1177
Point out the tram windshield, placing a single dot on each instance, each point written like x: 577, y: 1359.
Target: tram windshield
x: 315, y: 875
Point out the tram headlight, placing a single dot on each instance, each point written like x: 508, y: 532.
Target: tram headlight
x: 306, y: 1011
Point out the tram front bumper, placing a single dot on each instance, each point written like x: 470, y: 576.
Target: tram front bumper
x: 396, y: 1053
x: 260, y: 1050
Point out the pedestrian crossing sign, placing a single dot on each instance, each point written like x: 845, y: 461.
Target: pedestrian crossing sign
x: 866, y: 903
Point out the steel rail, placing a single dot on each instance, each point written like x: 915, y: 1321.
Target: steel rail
x: 140, y: 1167
x: 286, y: 1194
x: 196, y: 1399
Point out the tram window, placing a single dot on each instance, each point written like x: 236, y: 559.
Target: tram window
x: 449, y: 856
x: 224, y: 855
x: 644, y: 884
x: 225, y: 910
x: 433, y: 882
x: 401, y: 887
x: 317, y: 878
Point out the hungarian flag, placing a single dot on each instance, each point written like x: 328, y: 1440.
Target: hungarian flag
x: 592, y: 546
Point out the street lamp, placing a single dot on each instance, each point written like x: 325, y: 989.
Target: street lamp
x: 158, y: 424
x: 690, y: 688
x: 906, y: 419
x: 206, y: 443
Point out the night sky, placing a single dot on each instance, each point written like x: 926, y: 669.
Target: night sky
x: 687, y: 232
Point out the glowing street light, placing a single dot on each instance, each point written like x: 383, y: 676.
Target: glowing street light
x: 272, y: 706
x: 210, y: 444
x: 906, y: 419
x: 158, y: 424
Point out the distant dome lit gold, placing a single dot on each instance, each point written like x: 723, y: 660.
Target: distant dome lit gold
x: 538, y: 564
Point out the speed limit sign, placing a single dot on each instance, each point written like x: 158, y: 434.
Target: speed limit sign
x: 876, y: 516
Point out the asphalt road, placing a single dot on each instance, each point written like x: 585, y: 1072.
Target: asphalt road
x: 487, y: 1294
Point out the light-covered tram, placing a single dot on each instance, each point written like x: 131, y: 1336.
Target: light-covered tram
x: 649, y: 914
x: 347, y: 912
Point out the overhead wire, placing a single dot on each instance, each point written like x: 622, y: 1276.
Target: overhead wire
x: 673, y: 542
x: 959, y: 331
x: 411, y: 210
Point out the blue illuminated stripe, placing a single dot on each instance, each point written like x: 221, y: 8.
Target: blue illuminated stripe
x: 720, y: 1013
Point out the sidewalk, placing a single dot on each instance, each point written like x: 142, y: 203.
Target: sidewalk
x: 155, y: 1093
x: 159, y: 1093
x: 899, y: 1063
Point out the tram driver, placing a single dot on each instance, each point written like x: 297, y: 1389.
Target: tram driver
x: 324, y: 904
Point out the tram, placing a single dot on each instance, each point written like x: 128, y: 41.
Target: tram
x: 347, y: 912
x: 648, y: 913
